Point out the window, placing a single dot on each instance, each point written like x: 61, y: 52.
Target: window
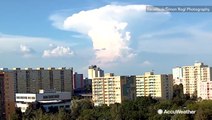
x: 67, y: 106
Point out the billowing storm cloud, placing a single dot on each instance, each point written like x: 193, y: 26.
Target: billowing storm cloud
x: 107, y: 27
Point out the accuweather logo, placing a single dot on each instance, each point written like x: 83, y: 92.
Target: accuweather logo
x: 160, y: 111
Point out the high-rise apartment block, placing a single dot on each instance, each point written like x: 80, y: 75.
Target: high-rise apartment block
x: 196, y: 80
x: 158, y: 86
x: 177, y: 75
x: 192, y: 75
x: 7, y: 96
x: 32, y: 80
x: 94, y: 71
x: 78, y: 81
x: 112, y: 89
x: 87, y: 82
x: 204, y: 90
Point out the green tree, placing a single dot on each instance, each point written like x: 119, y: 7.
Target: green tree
x: 178, y: 91
x: 39, y: 115
x: 180, y: 117
x: 116, y: 111
x: 78, y: 105
x: 17, y: 115
x: 62, y: 115
x: 200, y: 115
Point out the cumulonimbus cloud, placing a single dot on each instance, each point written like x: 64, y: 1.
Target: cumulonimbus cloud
x: 107, y: 27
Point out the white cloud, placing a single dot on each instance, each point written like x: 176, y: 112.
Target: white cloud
x: 26, y: 51
x: 59, y: 51
x: 57, y: 21
x: 16, y: 43
x: 146, y: 63
x: 108, y: 28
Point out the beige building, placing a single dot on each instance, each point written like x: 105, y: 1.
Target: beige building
x: 112, y: 89
x: 158, y: 86
x: 196, y: 79
x: 205, y: 90
x: 30, y: 80
x: 94, y: 71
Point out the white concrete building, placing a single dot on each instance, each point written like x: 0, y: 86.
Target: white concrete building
x: 94, y: 71
x: 46, y: 99
x: 177, y: 75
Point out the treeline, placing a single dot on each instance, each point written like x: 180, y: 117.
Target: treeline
x: 142, y: 108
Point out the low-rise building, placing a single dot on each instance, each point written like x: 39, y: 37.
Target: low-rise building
x: 47, y: 99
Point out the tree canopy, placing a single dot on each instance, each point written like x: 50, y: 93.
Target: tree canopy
x: 139, y: 109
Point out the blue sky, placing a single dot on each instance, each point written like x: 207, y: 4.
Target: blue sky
x: 119, y: 36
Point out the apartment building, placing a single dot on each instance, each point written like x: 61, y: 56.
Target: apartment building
x: 94, y: 71
x: 87, y: 82
x: 204, y: 90
x: 195, y: 77
x: 196, y: 80
x: 158, y: 86
x: 30, y: 80
x: 78, y: 81
x: 177, y: 75
x: 7, y: 96
x: 112, y: 89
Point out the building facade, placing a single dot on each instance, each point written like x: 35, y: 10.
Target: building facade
x: 157, y: 86
x: 112, y: 89
x: 196, y: 80
x: 205, y: 90
x: 87, y: 82
x: 78, y: 81
x: 7, y: 96
x: 94, y: 71
x: 177, y: 75
x: 32, y: 80
x: 46, y: 99
x: 194, y: 77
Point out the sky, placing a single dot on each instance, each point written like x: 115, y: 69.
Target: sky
x: 119, y: 36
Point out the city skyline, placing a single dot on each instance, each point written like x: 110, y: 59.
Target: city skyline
x: 119, y: 37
